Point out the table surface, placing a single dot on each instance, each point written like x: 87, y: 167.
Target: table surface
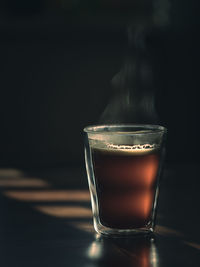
x: 46, y: 221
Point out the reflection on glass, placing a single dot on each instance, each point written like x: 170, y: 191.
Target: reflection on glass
x: 137, y: 252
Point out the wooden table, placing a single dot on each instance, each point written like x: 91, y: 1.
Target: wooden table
x: 46, y: 221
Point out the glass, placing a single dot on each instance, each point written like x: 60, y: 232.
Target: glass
x: 123, y: 164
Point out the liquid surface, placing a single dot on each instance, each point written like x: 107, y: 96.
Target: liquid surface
x: 126, y: 180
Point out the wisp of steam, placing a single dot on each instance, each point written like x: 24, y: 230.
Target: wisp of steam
x: 133, y: 98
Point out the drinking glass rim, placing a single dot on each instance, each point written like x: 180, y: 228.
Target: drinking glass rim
x: 107, y: 129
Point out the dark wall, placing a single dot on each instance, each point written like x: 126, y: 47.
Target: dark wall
x: 57, y: 61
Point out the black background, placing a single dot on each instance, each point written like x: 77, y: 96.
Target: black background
x: 57, y: 61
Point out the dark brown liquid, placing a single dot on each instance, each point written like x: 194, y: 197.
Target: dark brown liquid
x: 126, y: 182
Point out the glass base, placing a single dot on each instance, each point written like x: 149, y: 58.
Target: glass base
x: 106, y: 231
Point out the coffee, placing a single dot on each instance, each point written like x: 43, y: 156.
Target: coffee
x: 126, y: 179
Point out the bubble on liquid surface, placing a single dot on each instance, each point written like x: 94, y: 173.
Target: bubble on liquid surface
x: 133, y: 147
x: 126, y: 149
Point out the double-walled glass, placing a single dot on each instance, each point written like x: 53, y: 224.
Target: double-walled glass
x: 123, y: 165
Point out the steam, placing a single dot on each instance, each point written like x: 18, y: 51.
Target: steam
x: 133, y: 88
x: 161, y: 12
x: 133, y: 98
